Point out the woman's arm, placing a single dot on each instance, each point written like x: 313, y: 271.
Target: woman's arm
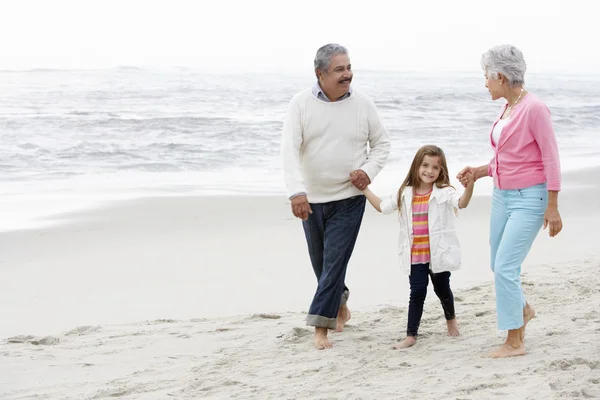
x: 481, y: 172
x: 552, y: 216
x: 477, y: 172
x: 546, y: 140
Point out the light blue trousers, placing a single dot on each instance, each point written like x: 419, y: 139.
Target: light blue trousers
x: 517, y: 217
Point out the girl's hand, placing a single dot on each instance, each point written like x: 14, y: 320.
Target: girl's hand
x: 552, y: 219
x: 463, y: 175
x: 470, y: 179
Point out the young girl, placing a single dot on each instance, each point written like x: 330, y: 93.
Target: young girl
x: 427, y: 245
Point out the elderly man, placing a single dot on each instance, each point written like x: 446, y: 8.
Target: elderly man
x: 333, y: 146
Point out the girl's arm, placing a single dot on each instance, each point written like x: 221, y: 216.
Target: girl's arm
x: 373, y: 199
x: 464, y: 200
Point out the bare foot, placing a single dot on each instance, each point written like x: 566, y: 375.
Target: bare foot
x: 452, y: 327
x: 528, y: 314
x: 508, y: 350
x: 406, y: 343
x: 321, y: 341
x: 342, y: 317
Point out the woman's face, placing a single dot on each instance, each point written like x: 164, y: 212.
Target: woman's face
x: 494, y: 86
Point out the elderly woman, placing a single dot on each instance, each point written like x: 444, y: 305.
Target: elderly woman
x: 526, y: 173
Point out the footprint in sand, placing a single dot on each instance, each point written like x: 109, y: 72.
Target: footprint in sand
x: 295, y: 335
x: 566, y: 364
x: 84, y: 330
x: 590, y: 394
x: 37, y: 341
x: 265, y: 316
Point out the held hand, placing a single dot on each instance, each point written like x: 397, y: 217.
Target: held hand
x: 463, y: 175
x: 553, y: 220
x: 359, y: 179
x: 301, y: 207
x: 470, y: 179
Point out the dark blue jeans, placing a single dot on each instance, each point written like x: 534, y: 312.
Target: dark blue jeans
x: 331, y: 232
x: 419, y: 280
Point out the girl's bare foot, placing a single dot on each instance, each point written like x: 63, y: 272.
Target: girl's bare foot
x: 342, y: 317
x: 321, y: 341
x: 452, y: 327
x: 406, y: 343
x: 528, y: 315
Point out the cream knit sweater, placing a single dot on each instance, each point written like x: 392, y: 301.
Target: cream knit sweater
x: 323, y: 142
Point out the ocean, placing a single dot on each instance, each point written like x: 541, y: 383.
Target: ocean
x: 72, y: 140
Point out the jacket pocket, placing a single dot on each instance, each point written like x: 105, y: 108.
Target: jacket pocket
x: 449, y: 253
x: 404, y: 259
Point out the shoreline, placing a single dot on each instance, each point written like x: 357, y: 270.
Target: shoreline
x: 572, y: 181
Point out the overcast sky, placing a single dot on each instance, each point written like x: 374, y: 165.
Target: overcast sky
x: 555, y: 35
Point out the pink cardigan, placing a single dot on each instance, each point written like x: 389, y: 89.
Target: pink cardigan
x: 526, y: 153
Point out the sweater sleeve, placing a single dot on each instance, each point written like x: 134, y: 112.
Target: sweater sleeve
x: 379, y: 143
x: 291, y: 146
x: 543, y: 132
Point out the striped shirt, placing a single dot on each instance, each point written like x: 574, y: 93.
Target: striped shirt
x: 420, y: 248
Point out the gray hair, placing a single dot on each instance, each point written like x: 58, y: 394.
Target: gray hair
x: 325, y: 54
x: 506, y: 60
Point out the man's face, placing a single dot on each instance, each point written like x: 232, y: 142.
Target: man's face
x: 336, y: 82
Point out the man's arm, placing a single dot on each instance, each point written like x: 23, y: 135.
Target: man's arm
x: 291, y: 145
x: 379, y: 142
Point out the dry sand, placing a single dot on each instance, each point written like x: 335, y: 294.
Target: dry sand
x: 212, y: 265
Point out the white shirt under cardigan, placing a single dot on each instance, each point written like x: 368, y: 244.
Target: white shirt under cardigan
x: 498, y: 129
x: 324, y: 141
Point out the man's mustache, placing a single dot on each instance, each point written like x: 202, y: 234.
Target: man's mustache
x: 346, y: 80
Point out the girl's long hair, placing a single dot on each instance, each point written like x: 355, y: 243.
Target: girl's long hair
x: 412, y: 178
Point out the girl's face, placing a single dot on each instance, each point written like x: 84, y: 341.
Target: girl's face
x: 430, y: 169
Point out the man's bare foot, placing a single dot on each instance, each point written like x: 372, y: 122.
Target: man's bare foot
x: 321, y: 341
x: 342, y: 317
x: 452, y: 327
x: 406, y: 343
x: 508, y: 350
x: 528, y: 315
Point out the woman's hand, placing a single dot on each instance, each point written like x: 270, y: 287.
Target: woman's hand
x: 466, y: 175
x: 553, y: 220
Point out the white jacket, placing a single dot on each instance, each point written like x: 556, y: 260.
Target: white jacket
x: 443, y: 241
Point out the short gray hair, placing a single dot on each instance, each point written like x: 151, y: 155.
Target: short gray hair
x: 506, y: 60
x: 325, y: 54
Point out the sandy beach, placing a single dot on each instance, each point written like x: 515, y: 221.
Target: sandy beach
x: 204, y: 297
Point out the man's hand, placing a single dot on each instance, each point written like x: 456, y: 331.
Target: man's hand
x: 301, y: 207
x: 359, y: 179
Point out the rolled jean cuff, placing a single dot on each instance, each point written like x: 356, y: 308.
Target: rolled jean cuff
x: 319, y: 321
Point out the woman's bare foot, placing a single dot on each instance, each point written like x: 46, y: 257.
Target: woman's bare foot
x: 342, y: 317
x: 508, y: 350
x: 528, y: 315
x: 513, y: 346
x: 406, y: 343
x: 452, y: 327
x: 321, y: 341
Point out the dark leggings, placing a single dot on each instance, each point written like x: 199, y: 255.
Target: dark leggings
x: 419, y: 280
